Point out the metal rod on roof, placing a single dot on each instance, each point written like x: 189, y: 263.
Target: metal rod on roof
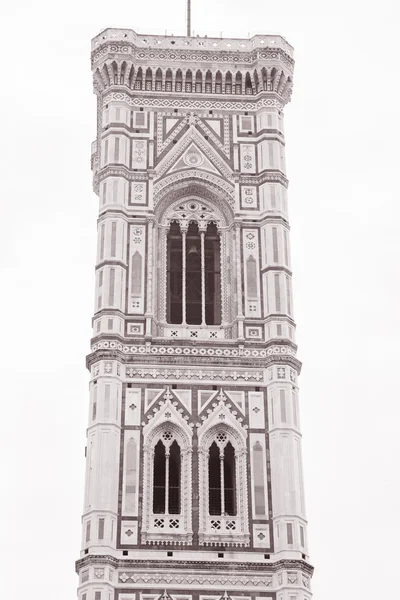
x: 189, y: 17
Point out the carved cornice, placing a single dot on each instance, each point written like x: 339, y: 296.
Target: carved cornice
x: 182, y: 349
x: 154, y: 565
x: 187, y: 101
x: 266, y: 176
x: 217, y: 59
x: 261, y: 41
x: 121, y: 171
x: 147, y: 360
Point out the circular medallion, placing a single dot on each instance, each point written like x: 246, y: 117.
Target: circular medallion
x: 193, y: 159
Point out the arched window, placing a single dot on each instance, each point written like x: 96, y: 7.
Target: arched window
x: 238, y: 83
x: 158, y: 80
x: 274, y: 79
x: 193, y: 275
x: 106, y: 76
x: 167, y: 477
x: 248, y: 86
x: 208, y: 82
x: 188, y: 81
x: 123, y: 72
x: 178, y: 81
x: 114, y: 70
x: 218, y: 83
x: 168, y: 81
x: 228, y: 83
x: 139, y: 79
x: 131, y: 77
x: 199, y: 81
x: 149, y: 79
x: 222, y: 478
x: 264, y: 78
x: 256, y: 81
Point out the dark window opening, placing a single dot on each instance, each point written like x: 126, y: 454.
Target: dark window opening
x: 159, y: 479
x: 174, y: 274
x: 229, y: 480
x: 214, y: 480
x: 174, y: 484
x: 225, y: 481
x: 193, y: 276
x: 167, y: 463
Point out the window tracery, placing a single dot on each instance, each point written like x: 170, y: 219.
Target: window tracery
x: 223, y: 486
x: 167, y: 480
x: 167, y: 476
x: 194, y: 212
x: 193, y: 286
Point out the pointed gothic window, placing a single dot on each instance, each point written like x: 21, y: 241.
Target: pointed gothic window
x: 222, y: 480
x: 168, y: 81
x: 193, y: 276
x: 149, y: 80
x: 228, y: 83
x: 167, y: 478
x: 218, y: 83
x: 248, y: 86
x: 178, y: 81
x: 159, y: 80
x: 188, y: 82
x: 159, y: 479
x: 208, y: 82
x: 199, y: 81
x: 238, y: 83
x: 139, y: 79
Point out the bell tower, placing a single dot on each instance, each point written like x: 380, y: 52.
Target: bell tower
x: 194, y: 485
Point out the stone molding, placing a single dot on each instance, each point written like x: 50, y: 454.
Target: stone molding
x: 181, y: 350
x: 150, y: 100
x: 175, y: 43
x: 191, y: 565
x: 176, y: 367
x: 195, y: 374
x: 197, y: 580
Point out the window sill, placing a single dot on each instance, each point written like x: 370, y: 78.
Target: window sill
x: 167, y: 537
x: 233, y: 539
x: 194, y: 332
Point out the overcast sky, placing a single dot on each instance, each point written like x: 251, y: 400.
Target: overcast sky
x: 342, y: 134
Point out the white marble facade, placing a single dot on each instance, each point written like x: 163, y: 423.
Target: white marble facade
x: 194, y: 446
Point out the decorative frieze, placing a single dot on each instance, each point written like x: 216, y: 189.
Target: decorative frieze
x: 194, y: 350
x: 194, y: 581
x: 193, y: 374
x: 195, y: 104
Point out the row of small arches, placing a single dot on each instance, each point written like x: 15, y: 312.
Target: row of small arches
x: 191, y: 80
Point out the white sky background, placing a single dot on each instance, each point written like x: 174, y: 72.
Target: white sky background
x: 342, y: 132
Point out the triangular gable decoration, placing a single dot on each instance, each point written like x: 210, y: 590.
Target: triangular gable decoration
x: 185, y: 397
x: 151, y: 396
x: 204, y: 397
x: 193, y: 158
x: 215, y: 125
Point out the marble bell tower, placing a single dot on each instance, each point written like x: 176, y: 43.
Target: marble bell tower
x: 194, y: 484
